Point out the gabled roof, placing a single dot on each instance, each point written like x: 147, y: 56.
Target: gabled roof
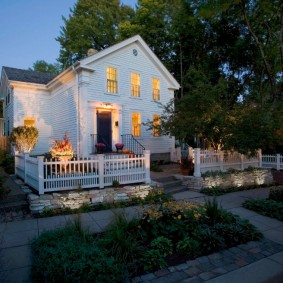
x: 28, y: 76
x: 135, y: 39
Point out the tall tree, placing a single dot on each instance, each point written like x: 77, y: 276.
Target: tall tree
x: 44, y: 67
x: 91, y: 24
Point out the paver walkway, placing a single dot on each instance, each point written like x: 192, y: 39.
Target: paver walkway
x: 255, y: 262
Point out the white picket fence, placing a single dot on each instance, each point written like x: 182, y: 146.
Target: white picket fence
x: 205, y: 160
x: 272, y: 161
x: 97, y: 171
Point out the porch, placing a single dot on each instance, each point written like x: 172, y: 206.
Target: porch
x: 96, y: 171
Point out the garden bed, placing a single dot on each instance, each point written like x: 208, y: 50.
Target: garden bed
x: 167, y: 233
x: 271, y: 207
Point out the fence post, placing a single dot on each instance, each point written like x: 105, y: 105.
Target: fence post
x: 260, y: 158
x: 277, y: 161
x: 197, y: 162
x: 147, y: 166
x: 40, y: 160
x: 26, y: 155
x: 101, y: 170
x: 242, y: 162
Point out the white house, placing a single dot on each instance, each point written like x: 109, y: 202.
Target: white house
x: 105, y: 97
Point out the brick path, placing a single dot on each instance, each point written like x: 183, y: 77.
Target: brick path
x: 213, y: 265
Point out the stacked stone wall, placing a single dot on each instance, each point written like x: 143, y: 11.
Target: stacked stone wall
x: 75, y: 199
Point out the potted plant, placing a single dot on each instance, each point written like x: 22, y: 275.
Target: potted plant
x: 119, y: 147
x: 62, y: 149
x: 100, y: 147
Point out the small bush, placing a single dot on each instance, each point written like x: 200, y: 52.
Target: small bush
x: 3, y: 191
x: 115, y: 184
x: 71, y: 255
x: 189, y: 247
x: 276, y: 193
x: 266, y: 207
x: 8, y: 163
x: 163, y: 245
x: 152, y: 260
x: 210, y: 241
x: 213, y: 211
x: 24, y: 138
x: 121, y: 240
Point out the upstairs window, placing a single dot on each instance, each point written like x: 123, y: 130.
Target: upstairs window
x: 156, y: 124
x: 29, y: 122
x: 112, y: 83
x: 136, y: 124
x: 135, y: 84
x: 155, y: 89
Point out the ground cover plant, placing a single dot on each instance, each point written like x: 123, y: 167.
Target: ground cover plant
x: 217, y: 191
x: 271, y: 207
x: 165, y: 233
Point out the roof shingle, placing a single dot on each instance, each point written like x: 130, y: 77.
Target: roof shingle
x: 28, y: 76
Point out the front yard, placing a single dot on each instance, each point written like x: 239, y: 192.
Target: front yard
x: 166, y: 233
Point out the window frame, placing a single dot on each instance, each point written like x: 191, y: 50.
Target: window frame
x: 155, y: 85
x: 136, y: 126
x: 135, y: 85
x: 111, y: 84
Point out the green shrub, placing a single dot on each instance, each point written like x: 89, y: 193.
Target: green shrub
x: 268, y: 207
x: 213, y: 211
x: 189, y: 247
x: 24, y: 138
x: 115, y: 184
x: 163, y: 245
x: 3, y: 190
x: 276, y: 193
x: 8, y: 163
x: 71, y: 255
x: 210, y: 241
x: 121, y: 239
x: 152, y: 260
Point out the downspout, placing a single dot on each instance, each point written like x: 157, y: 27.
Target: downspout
x: 78, y: 114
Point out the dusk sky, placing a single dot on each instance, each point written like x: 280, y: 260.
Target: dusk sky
x: 28, y: 29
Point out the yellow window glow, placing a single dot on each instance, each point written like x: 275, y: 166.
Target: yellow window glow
x: 136, y: 124
x: 135, y: 84
x: 112, y: 83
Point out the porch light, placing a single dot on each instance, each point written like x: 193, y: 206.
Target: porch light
x: 106, y: 105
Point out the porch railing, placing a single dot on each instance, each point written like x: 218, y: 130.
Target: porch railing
x: 132, y: 144
x: 98, y: 171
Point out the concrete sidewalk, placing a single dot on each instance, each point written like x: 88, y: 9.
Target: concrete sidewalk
x: 259, y: 262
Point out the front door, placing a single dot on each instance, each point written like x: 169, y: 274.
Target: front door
x: 104, y: 129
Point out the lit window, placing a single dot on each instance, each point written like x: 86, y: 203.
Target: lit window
x: 156, y: 124
x: 136, y: 124
x: 112, y: 83
x: 29, y: 122
x: 155, y: 89
x: 135, y: 84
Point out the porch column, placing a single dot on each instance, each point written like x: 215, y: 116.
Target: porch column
x: 120, y: 124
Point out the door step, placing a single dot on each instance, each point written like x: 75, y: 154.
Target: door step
x: 170, y: 185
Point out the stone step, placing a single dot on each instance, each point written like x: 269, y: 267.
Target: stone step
x: 164, y: 179
x: 172, y: 184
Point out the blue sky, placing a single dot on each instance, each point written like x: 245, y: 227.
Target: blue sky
x: 28, y: 29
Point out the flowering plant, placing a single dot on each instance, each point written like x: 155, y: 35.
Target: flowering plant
x: 119, y: 145
x: 62, y: 147
x: 100, y: 144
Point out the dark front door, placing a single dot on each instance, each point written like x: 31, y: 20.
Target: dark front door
x: 104, y: 130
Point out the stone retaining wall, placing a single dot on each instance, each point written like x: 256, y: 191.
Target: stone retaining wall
x: 238, y: 179
x: 75, y: 199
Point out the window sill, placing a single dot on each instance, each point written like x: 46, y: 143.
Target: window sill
x: 135, y: 97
